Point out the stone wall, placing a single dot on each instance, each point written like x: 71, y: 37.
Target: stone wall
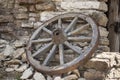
x: 18, y: 20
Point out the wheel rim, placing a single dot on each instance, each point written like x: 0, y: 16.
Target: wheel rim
x: 59, y: 39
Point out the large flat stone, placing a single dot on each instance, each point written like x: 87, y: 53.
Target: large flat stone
x: 48, y: 15
x: 102, y: 6
x: 27, y: 73
x: 114, y: 73
x: 99, y: 17
x: 112, y: 56
x: 92, y: 74
x: 98, y: 64
x: 38, y: 76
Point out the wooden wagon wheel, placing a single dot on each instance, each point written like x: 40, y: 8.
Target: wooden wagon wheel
x: 63, y: 43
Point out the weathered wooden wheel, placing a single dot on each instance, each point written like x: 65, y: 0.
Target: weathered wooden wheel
x: 63, y: 43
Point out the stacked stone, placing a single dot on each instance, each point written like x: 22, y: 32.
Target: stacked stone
x: 96, y: 9
x: 29, y: 15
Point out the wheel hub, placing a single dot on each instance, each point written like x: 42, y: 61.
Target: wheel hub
x: 59, y: 36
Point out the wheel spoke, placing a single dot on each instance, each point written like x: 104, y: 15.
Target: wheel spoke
x: 61, y: 51
x: 80, y: 39
x: 59, y: 23
x: 74, y: 48
x: 50, y: 55
x: 47, y: 30
x: 42, y: 50
x: 36, y: 33
x: 42, y: 40
x: 72, y: 24
x: 78, y: 30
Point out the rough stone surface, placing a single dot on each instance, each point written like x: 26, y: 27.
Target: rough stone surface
x: 81, y: 79
x: 8, y: 50
x: 19, y: 43
x: 58, y: 78
x: 84, y: 5
x: 24, y: 58
x: 27, y: 25
x: 3, y: 44
x: 98, y: 64
x: 46, y: 6
x: 80, y: 0
x: 103, y: 32
x: 37, y: 24
x: 49, y: 77
x: 6, y: 18
x: 103, y: 49
x: 71, y: 77
x: 100, y: 18
x: 2, y: 57
x: 114, y: 73
x: 104, y: 41
x: 92, y: 74
x: 38, y: 76
x: 27, y: 73
x: 13, y: 62
x: 21, y: 16
x: 48, y: 15
x: 26, y: 1
x: 32, y: 8
x: 9, y: 69
x: 18, y: 52
x: 103, y: 0
x: 22, y: 68
x: 113, y: 58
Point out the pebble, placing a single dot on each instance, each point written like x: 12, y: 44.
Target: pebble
x: 27, y: 73
x: 38, y: 76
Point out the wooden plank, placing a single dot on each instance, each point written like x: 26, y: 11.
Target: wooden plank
x: 113, y: 17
